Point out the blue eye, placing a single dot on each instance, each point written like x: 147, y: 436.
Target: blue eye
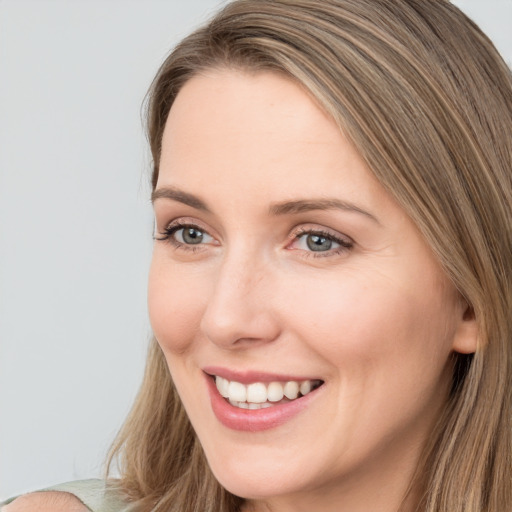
x: 321, y: 243
x: 191, y: 236
x: 183, y: 235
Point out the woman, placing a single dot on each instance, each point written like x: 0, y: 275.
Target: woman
x: 331, y: 282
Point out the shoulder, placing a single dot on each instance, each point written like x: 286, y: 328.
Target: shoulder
x: 93, y: 495
x: 47, y: 501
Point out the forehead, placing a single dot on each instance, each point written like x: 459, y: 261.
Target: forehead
x: 259, y: 131
x: 245, y: 106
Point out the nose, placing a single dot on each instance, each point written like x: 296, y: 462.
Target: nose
x: 240, y: 311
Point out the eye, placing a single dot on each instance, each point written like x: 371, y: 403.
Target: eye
x: 191, y: 236
x: 321, y: 243
x: 183, y: 235
x: 318, y: 243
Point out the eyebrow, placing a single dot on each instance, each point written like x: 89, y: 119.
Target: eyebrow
x: 307, y: 205
x: 180, y: 196
x: 285, y: 208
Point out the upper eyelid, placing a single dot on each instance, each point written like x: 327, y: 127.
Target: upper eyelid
x: 302, y: 230
x: 174, y: 228
x: 184, y: 222
x: 322, y: 231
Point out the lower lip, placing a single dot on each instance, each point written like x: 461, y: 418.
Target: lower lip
x: 255, y: 420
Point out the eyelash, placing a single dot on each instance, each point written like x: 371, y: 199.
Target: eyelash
x: 345, y: 244
x: 168, y: 236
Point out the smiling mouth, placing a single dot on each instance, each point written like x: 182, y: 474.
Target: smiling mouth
x: 260, y: 395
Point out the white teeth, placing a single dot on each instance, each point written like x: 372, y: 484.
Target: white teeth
x: 259, y: 395
x: 222, y: 386
x: 291, y: 390
x: 305, y: 387
x: 275, y: 392
x: 237, y: 392
x: 246, y: 405
x: 260, y: 406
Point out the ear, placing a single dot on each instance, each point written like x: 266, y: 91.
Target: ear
x: 465, y: 340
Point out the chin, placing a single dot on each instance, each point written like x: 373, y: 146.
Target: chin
x: 255, y: 487
x: 258, y: 479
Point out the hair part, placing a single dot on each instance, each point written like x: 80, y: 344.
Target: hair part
x: 426, y: 99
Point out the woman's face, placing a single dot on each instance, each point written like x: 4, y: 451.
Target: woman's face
x: 281, y: 264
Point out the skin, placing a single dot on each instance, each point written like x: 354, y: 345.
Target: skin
x: 46, y: 502
x: 376, y: 321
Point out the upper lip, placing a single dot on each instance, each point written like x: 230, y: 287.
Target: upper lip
x: 250, y: 376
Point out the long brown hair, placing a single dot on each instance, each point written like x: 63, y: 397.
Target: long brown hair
x: 427, y: 100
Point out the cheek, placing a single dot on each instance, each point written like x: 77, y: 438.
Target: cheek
x: 386, y: 327
x: 176, y: 304
x: 386, y: 350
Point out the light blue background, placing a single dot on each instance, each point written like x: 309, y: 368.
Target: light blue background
x: 75, y: 222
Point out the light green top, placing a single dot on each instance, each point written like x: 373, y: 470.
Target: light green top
x: 96, y: 495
